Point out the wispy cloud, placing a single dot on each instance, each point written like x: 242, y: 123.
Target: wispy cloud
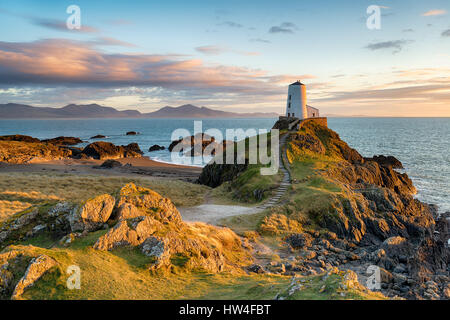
x: 60, y: 25
x: 285, y: 27
x: 435, y: 12
x: 446, y: 33
x: 108, y: 41
x: 231, y: 24
x: 397, y: 45
x: 211, y: 50
x: 259, y: 40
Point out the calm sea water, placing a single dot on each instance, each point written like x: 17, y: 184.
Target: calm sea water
x: 422, y: 144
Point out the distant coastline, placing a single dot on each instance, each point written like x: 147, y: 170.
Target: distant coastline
x: 92, y: 111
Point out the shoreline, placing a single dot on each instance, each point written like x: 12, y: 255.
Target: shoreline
x: 142, y: 166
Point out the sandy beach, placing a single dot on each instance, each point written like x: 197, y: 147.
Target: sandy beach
x: 142, y: 166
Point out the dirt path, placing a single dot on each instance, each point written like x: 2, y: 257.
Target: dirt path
x: 212, y: 213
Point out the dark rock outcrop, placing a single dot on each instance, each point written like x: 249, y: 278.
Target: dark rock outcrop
x: 105, y: 150
x: 99, y: 136
x: 213, y: 174
x: 389, y: 161
x: 131, y: 133
x: 110, y: 164
x: 156, y: 148
x: 64, y: 141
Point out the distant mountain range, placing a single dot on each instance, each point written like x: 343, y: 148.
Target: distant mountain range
x: 74, y: 111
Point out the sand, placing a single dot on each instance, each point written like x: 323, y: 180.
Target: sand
x: 139, y: 166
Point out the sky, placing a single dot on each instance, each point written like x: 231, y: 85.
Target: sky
x: 230, y: 55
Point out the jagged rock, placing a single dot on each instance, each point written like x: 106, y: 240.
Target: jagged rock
x: 24, y: 219
x: 130, y: 232
x: 60, y: 208
x: 388, y: 161
x: 131, y: 133
x: 127, y: 211
x: 149, y: 202
x: 156, y: 148
x: 256, y: 268
x: 299, y: 240
x: 66, y: 141
x: 37, y: 268
x: 92, y: 214
x: 157, y: 248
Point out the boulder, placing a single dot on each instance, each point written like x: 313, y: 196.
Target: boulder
x: 156, y: 148
x: 36, y: 269
x: 127, y: 211
x: 158, y: 249
x: 130, y: 232
x: 131, y: 133
x: 105, y: 150
x: 149, y: 202
x: 256, y: 268
x: 110, y: 164
x: 92, y: 214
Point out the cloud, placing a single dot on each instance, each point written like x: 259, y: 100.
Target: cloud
x: 211, y: 50
x: 107, y: 41
x: 408, y: 30
x: 436, y: 12
x: 446, y: 33
x: 61, y: 62
x: 259, y: 40
x: 60, y: 25
x: 394, y: 44
x: 285, y: 27
x: 231, y: 24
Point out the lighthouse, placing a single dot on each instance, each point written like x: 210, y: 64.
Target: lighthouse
x: 296, y: 101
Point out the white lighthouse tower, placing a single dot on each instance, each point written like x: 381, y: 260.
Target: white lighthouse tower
x: 296, y: 101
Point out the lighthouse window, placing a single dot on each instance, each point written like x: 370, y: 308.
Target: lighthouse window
x: 289, y: 105
x: 289, y: 97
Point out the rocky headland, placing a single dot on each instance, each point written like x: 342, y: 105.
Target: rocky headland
x: 346, y: 211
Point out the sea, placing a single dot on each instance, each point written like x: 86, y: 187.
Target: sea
x: 421, y: 144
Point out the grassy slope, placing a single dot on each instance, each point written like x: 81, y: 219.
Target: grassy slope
x: 19, y: 191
